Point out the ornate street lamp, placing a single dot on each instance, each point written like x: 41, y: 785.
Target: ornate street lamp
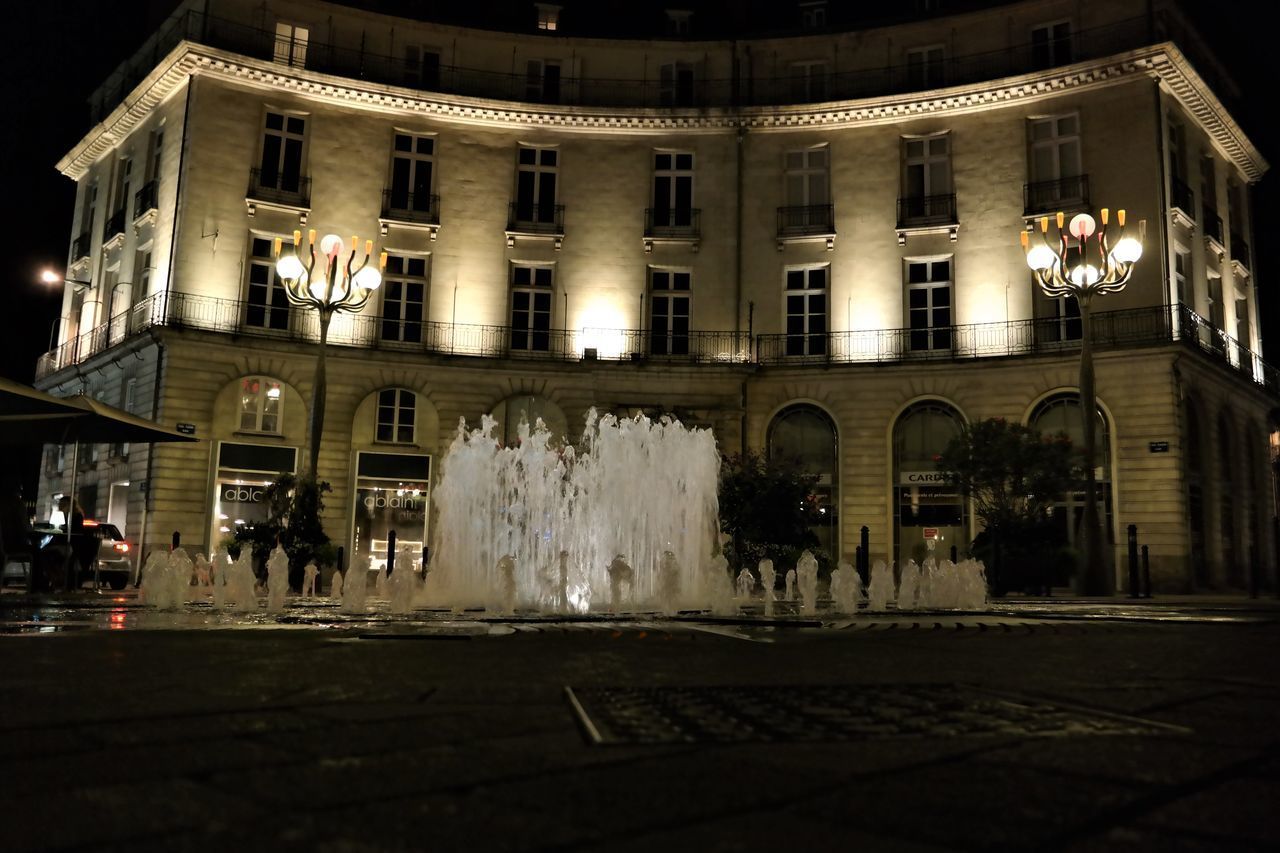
x: 330, y: 286
x: 1071, y: 269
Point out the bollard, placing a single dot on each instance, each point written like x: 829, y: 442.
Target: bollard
x: 391, y: 551
x: 1146, y: 572
x: 426, y: 559
x: 177, y: 541
x: 857, y: 565
x: 1253, y: 570
x: 1133, y: 561
x: 864, y: 537
x: 954, y: 554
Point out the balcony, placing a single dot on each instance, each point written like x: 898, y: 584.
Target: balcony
x: 928, y: 214
x: 81, y: 246
x: 144, y: 204
x: 799, y: 223
x: 279, y: 191
x: 1212, y: 223
x: 1051, y: 336
x: 113, y: 230
x: 410, y: 210
x: 1182, y: 203
x: 672, y: 225
x: 527, y: 219
x: 1240, y: 254
x: 1041, y: 198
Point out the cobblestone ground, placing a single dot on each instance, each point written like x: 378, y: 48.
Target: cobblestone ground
x: 1062, y: 725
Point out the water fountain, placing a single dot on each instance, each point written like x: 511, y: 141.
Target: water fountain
x: 846, y: 588
x: 241, y: 584
x: 768, y: 578
x: 277, y: 579
x: 355, y: 586
x: 908, y: 586
x: 807, y: 573
x: 880, y: 587
x: 631, y: 488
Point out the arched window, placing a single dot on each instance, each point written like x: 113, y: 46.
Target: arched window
x: 1061, y: 414
x: 397, y: 416
x: 1227, y: 500
x: 261, y: 404
x: 527, y: 408
x: 929, y: 515
x: 808, y: 435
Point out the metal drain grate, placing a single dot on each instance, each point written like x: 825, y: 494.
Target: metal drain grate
x: 799, y: 713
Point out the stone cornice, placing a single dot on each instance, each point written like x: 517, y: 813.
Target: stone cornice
x: 1163, y: 61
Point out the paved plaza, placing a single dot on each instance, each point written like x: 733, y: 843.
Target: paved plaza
x: 1047, y: 725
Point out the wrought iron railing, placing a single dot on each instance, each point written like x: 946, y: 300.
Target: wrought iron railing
x: 531, y: 218
x: 81, y: 246
x: 926, y: 210
x: 1182, y: 198
x: 673, y: 222
x: 802, y: 220
x: 403, y: 206
x: 144, y: 199
x: 279, y: 187
x: 113, y: 226
x: 641, y: 91
x: 1212, y: 225
x: 1042, y: 336
x: 1052, y: 196
x: 1239, y: 250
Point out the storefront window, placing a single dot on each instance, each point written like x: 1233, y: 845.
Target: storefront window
x: 929, y: 514
x: 243, y: 473
x: 1061, y: 414
x: 807, y: 435
x: 392, y: 493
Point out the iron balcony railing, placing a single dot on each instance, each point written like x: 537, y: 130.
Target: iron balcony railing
x: 114, y: 225
x: 1182, y: 198
x: 279, y: 187
x: 403, y: 206
x: 1239, y: 250
x: 673, y: 222
x: 81, y: 246
x: 530, y: 218
x: 807, y: 219
x: 647, y: 89
x: 1044, y: 197
x: 1048, y: 336
x: 144, y: 200
x: 927, y: 210
x: 1212, y: 225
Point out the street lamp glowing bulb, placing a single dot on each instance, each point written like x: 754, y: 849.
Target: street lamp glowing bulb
x: 1040, y: 257
x: 290, y: 267
x: 368, y: 278
x: 50, y: 277
x: 329, y: 244
x: 1126, y: 251
x: 1084, y: 274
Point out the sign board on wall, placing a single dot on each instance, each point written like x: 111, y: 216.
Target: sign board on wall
x: 921, y: 478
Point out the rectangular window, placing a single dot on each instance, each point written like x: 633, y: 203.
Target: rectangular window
x: 1051, y: 44
x: 1242, y: 326
x: 536, y: 173
x: 412, y: 170
x: 1181, y: 277
x: 124, y: 176
x: 155, y: 155
x: 809, y: 81
x: 669, y: 312
x: 397, y: 409
x: 404, y: 298
x: 128, y: 393
x: 531, y: 295
x: 929, y: 318
x: 675, y: 84
x: 806, y: 310
x: 1055, y: 148
x: 283, y: 137
x: 87, y: 212
x: 1209, y: 183
x: 542, y: 81
x: 1177, y: 150
x: 813, y: 15
x: 1217, y: 316
x: 926, y: 67
x: 1067, y: 325
x: 267, y: 306
x: 807, y: 178
x: 291, y: 44
x: 926, y: 177
x: 673, y: 189
x: 421, y: 67
x: 548, y: 16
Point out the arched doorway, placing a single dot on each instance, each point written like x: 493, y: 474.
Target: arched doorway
x: 1192, y: 448
x: 1061, y: 414
x: 929, y: 515
x: 807, y: 434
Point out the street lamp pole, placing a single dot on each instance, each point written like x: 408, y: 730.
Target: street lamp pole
x: 331, y: 286
x: 1069, y: 270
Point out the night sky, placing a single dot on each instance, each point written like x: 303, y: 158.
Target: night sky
x: 69, y: 46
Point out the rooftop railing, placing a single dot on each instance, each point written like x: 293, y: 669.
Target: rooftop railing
x: 359, y: 64
x: 1138, y: 327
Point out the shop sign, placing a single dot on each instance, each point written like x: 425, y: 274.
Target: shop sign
x: 921, y: 478
x: 1158, y: 446
x: 930, y: 533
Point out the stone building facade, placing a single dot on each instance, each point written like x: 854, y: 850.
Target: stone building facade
x: 807, y: 242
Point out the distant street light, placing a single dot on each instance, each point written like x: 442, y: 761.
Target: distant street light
x: 1068, y: 270
x: 333, y: 288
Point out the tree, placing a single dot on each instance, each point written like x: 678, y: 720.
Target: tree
x: 1014, y: 475
x: 768, y: 510
x: 294, y: 505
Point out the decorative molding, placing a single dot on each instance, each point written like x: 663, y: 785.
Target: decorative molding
x: 829, y: 239
x: 1163, y: 61
x: 385, y: 224
x: 951, y: 229
x: 1182, y: 220
x: 1214, y: 246
x: 252, y: 205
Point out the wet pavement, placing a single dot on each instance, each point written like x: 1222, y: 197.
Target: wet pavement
x: 1061, y: 724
